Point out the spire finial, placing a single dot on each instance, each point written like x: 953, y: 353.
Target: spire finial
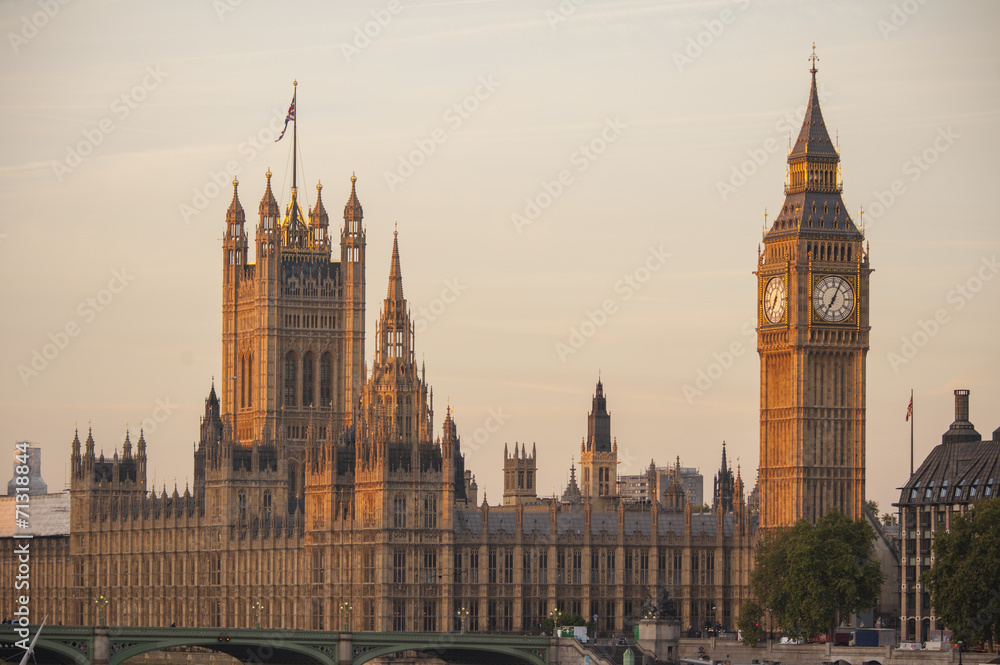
x: 395, y: 229
x: 813, y: 58
x: 319, y: 186
x: 295, y: 83
x: 268, y: 174
x: 236, y: 182
x: 354, y: 178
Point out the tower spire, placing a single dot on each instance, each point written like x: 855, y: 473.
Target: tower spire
x: 395, y: 274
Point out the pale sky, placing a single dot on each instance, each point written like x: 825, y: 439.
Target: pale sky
x: 116, y: 117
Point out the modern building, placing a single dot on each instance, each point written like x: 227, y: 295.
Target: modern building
x: 962, y: 469
x: 33, y: 454
x: 657, y: 479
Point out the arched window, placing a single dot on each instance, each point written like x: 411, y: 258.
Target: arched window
x: 290, y: 379
x: 399, y: 512
x: 430, y: 512
x: 241, y: 502
x: 243, y: 382
x: 326, y: 380
x: 308, y: 362
x: 267, y: 502
x: 250, y: 380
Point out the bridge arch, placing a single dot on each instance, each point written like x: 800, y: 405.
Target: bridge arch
x: 521, y: 654
x: 64, y: 653
x: 239, y: 647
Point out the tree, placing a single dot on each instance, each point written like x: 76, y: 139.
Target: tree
x: 872, y: 506
x: 964, y: 581
x: 888, y: 519
x: 751, y: 631
x: 809, y: 576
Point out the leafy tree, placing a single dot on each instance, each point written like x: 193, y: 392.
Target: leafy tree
x: 809, y: 576
x: 872, y: 506
x: 888, y: 519
x: 751, y: 632
x: 964, y: 581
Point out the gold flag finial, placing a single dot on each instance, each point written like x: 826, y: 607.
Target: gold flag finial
x: 295, y: 83
x: 813, y: 58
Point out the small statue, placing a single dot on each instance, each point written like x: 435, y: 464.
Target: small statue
x: 666, y: 608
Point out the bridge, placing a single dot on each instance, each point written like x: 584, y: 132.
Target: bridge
x: 88, y: 645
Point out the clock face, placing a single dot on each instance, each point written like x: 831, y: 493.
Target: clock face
x: 775, y: 299
x: 833, y: 299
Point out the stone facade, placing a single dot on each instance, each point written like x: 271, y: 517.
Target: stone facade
x: 812, y: 337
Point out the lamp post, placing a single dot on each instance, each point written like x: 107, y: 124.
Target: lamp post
x: 257, y: 608
x: 960, y: 652
x: 345, y: 610
x: 102, y: 603
x: 463, y: 615
x: 556, y: 616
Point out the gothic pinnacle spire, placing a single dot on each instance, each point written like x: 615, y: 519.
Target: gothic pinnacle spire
x: 395, y: 274
x: 352, y: 209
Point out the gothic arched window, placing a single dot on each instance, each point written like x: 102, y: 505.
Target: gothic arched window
x: 399, y: 512
x: 308, y: 363
x: 326, y: 380
x: 290, y: 379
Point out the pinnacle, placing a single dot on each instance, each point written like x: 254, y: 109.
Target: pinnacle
x: 395, y: 273
x: 352, y: 209
x: 813, y: 139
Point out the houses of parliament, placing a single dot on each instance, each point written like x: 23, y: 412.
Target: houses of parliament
x: 321, y: 483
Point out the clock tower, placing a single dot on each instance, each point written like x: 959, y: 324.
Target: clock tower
x: 812, y: 337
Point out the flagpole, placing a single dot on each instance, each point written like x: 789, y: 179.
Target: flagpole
x: 295, y: 130
x: 911, y: 431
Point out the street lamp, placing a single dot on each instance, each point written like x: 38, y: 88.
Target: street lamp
x: 257, y: 609
x: 960, y: 652
x: 462, y: 615
x: 102, y: 603
x: 556, y: 616
x: 345, y: 609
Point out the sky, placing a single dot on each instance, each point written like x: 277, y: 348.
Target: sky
x: 579, y: 188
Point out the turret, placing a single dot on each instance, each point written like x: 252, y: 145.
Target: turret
x: 268, y: 244
x: 319, y: 222
x: 352, y: 275
x: 234, y: 243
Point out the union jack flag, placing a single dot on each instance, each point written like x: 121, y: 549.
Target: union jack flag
x: 909, y: 410
x: 288, y: 118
